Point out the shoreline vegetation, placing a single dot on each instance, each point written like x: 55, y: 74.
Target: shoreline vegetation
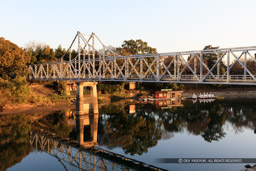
x: 19, y: 95
x: 44, y: 98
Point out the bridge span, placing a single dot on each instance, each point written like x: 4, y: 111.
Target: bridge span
x: 102, y: 64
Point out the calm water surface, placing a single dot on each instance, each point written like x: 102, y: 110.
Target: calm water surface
x: 126, y: 134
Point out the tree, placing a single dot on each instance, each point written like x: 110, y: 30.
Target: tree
x: 40, y: 52
x: 59, y: 52
x: 13, y: 59
x: 134, y: 47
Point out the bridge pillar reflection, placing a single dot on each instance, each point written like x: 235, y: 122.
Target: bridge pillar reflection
x: 87, y: 129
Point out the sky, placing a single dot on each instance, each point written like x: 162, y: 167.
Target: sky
x: 167, y: 25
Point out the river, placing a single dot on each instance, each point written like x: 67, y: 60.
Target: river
x: 131, y: 135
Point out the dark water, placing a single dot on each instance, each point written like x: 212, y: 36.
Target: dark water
x: 122, y: 137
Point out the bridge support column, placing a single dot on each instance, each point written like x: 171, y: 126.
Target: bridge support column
x: 92, y: 107
x: 132, y: 85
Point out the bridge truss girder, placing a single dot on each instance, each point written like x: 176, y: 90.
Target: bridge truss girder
x: 177, y: 67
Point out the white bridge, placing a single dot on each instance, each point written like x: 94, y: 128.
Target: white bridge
x: 96, y: 62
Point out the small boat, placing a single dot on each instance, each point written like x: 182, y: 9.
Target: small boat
x: 194, y: 96
x: 206, y: 96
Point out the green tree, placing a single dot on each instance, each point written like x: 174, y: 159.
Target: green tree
x: 40, y: 53
x: 211, y: 58
x: 59, y: 52
x: 20, y: 89
x: 13, y: 59
x: 134, y: 47
x: 48, y: 54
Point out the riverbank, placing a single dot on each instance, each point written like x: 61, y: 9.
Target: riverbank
x: 62, y: 104
x: 32, y: 108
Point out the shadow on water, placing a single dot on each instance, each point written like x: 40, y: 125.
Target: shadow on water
x: 135, y: 127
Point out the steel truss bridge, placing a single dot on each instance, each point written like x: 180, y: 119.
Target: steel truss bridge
x: 70, y: 155
x: 97, y: 62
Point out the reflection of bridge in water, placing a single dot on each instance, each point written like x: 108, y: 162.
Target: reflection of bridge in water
x: 82, y: 153
x: 69, y: 153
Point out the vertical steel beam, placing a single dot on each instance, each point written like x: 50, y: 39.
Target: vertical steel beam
x: 112, y: 67
x: 245, y: 64
x: 175, y: 67
x: 79, y: 49
x: 157, y: 67
x: 141, y: 67
x: 201, y: 67
x: 126, y: 68
x: 218, y: 66
x: 61, y: 68
x: 103, y: 62
x: 93, y: 55
x: 114, y: 64
x: 228, y: 67
x: 47, y: 71
x: 195, y: 64
x: 75, y: 68
x: 178, y: 67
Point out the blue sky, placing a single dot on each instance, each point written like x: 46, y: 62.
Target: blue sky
x: 167, y: 25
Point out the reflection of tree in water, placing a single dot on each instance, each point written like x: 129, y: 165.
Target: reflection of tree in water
x: 204, y: 119
x: 134, y: 133
x: 14, y: 146
x: 242, y: 114
x: 56, y: 122
x: 214, y: 130
x: 207, y: 120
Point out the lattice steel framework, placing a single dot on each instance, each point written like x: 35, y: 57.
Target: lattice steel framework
x: 103, y: 64
x: 70, y: 155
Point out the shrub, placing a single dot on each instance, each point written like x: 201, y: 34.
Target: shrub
x: 20, y: 89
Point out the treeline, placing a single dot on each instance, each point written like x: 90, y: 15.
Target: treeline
x: 143, y: 130
x: 40, y: 53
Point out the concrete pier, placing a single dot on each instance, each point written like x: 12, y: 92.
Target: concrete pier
x: 81, y: 106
